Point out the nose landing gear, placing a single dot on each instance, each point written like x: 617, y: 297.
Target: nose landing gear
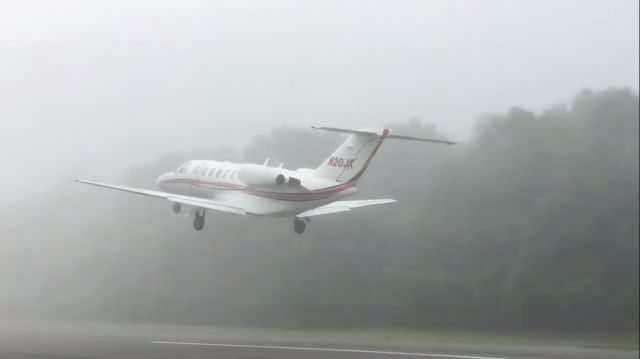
x: 299, y: 225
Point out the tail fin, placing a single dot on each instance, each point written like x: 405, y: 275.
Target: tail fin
x: 349, y: 161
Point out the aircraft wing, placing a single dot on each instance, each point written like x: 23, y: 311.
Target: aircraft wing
x: 188, y: 200
x: 341, y: 206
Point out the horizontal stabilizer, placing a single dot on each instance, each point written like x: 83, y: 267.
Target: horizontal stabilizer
x: 381, y: 133
x: 411, y: 138
x: 342, y: 206
x: 368, y: 132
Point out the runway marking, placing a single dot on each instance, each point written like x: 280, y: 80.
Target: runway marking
x: 360, y: 351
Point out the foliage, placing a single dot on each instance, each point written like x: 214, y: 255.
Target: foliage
x: 533, y: 224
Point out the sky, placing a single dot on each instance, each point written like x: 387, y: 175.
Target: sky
x: 90, y: 88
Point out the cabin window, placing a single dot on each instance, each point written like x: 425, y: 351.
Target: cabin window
x: 219, y: 172
x: 204, y: 171
x: 234, y: 174
x: 211, y: 171
x: 226, y: 173
x: 195, y: 170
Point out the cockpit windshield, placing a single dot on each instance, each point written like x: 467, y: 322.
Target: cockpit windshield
x: 184, y: 168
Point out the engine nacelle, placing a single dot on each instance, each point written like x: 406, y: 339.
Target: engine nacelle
x: 257, y: 175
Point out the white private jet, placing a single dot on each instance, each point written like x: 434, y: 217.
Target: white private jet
x: 260, y: 190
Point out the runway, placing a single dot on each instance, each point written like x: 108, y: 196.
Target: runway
x: 93, y: 342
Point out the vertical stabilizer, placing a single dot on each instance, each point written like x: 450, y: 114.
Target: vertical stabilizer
x: 349, y: 161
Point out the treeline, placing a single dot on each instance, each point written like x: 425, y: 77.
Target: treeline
x: 531, y: 225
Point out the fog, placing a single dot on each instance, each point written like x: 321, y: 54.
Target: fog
x: 83, y: 84
x: 530, y: 223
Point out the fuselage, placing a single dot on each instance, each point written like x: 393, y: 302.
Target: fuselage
x: 251, y: 189
x: 223, y: 181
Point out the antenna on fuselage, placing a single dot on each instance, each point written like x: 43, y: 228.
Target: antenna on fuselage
x: 266, y: 162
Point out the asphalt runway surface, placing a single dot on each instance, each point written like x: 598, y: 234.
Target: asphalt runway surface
x: 52, y: 342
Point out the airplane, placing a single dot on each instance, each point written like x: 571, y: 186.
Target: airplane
x: 260, y: 190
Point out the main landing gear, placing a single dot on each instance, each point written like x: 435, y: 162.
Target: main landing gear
x: 176, y: 207
x: 198, y: 219
x: 299, y: 225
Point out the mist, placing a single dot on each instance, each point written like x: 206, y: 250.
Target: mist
x: 532, y: 223
x: 528, y: 225
x: 90, y: 89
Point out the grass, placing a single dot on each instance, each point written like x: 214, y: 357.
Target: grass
x: 389, y: 335
x: 627, y: 340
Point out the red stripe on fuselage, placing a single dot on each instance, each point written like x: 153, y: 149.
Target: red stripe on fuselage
x: 212, y: 185
x: 281, y: 196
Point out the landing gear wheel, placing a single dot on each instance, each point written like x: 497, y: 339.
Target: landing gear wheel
x: 176, y: 207
x: 298, y: 225
x: 198, y: 221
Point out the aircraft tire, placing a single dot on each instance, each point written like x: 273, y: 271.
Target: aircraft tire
x: 176, y: 207
x: 198, y: 221
x: 298, y: 225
